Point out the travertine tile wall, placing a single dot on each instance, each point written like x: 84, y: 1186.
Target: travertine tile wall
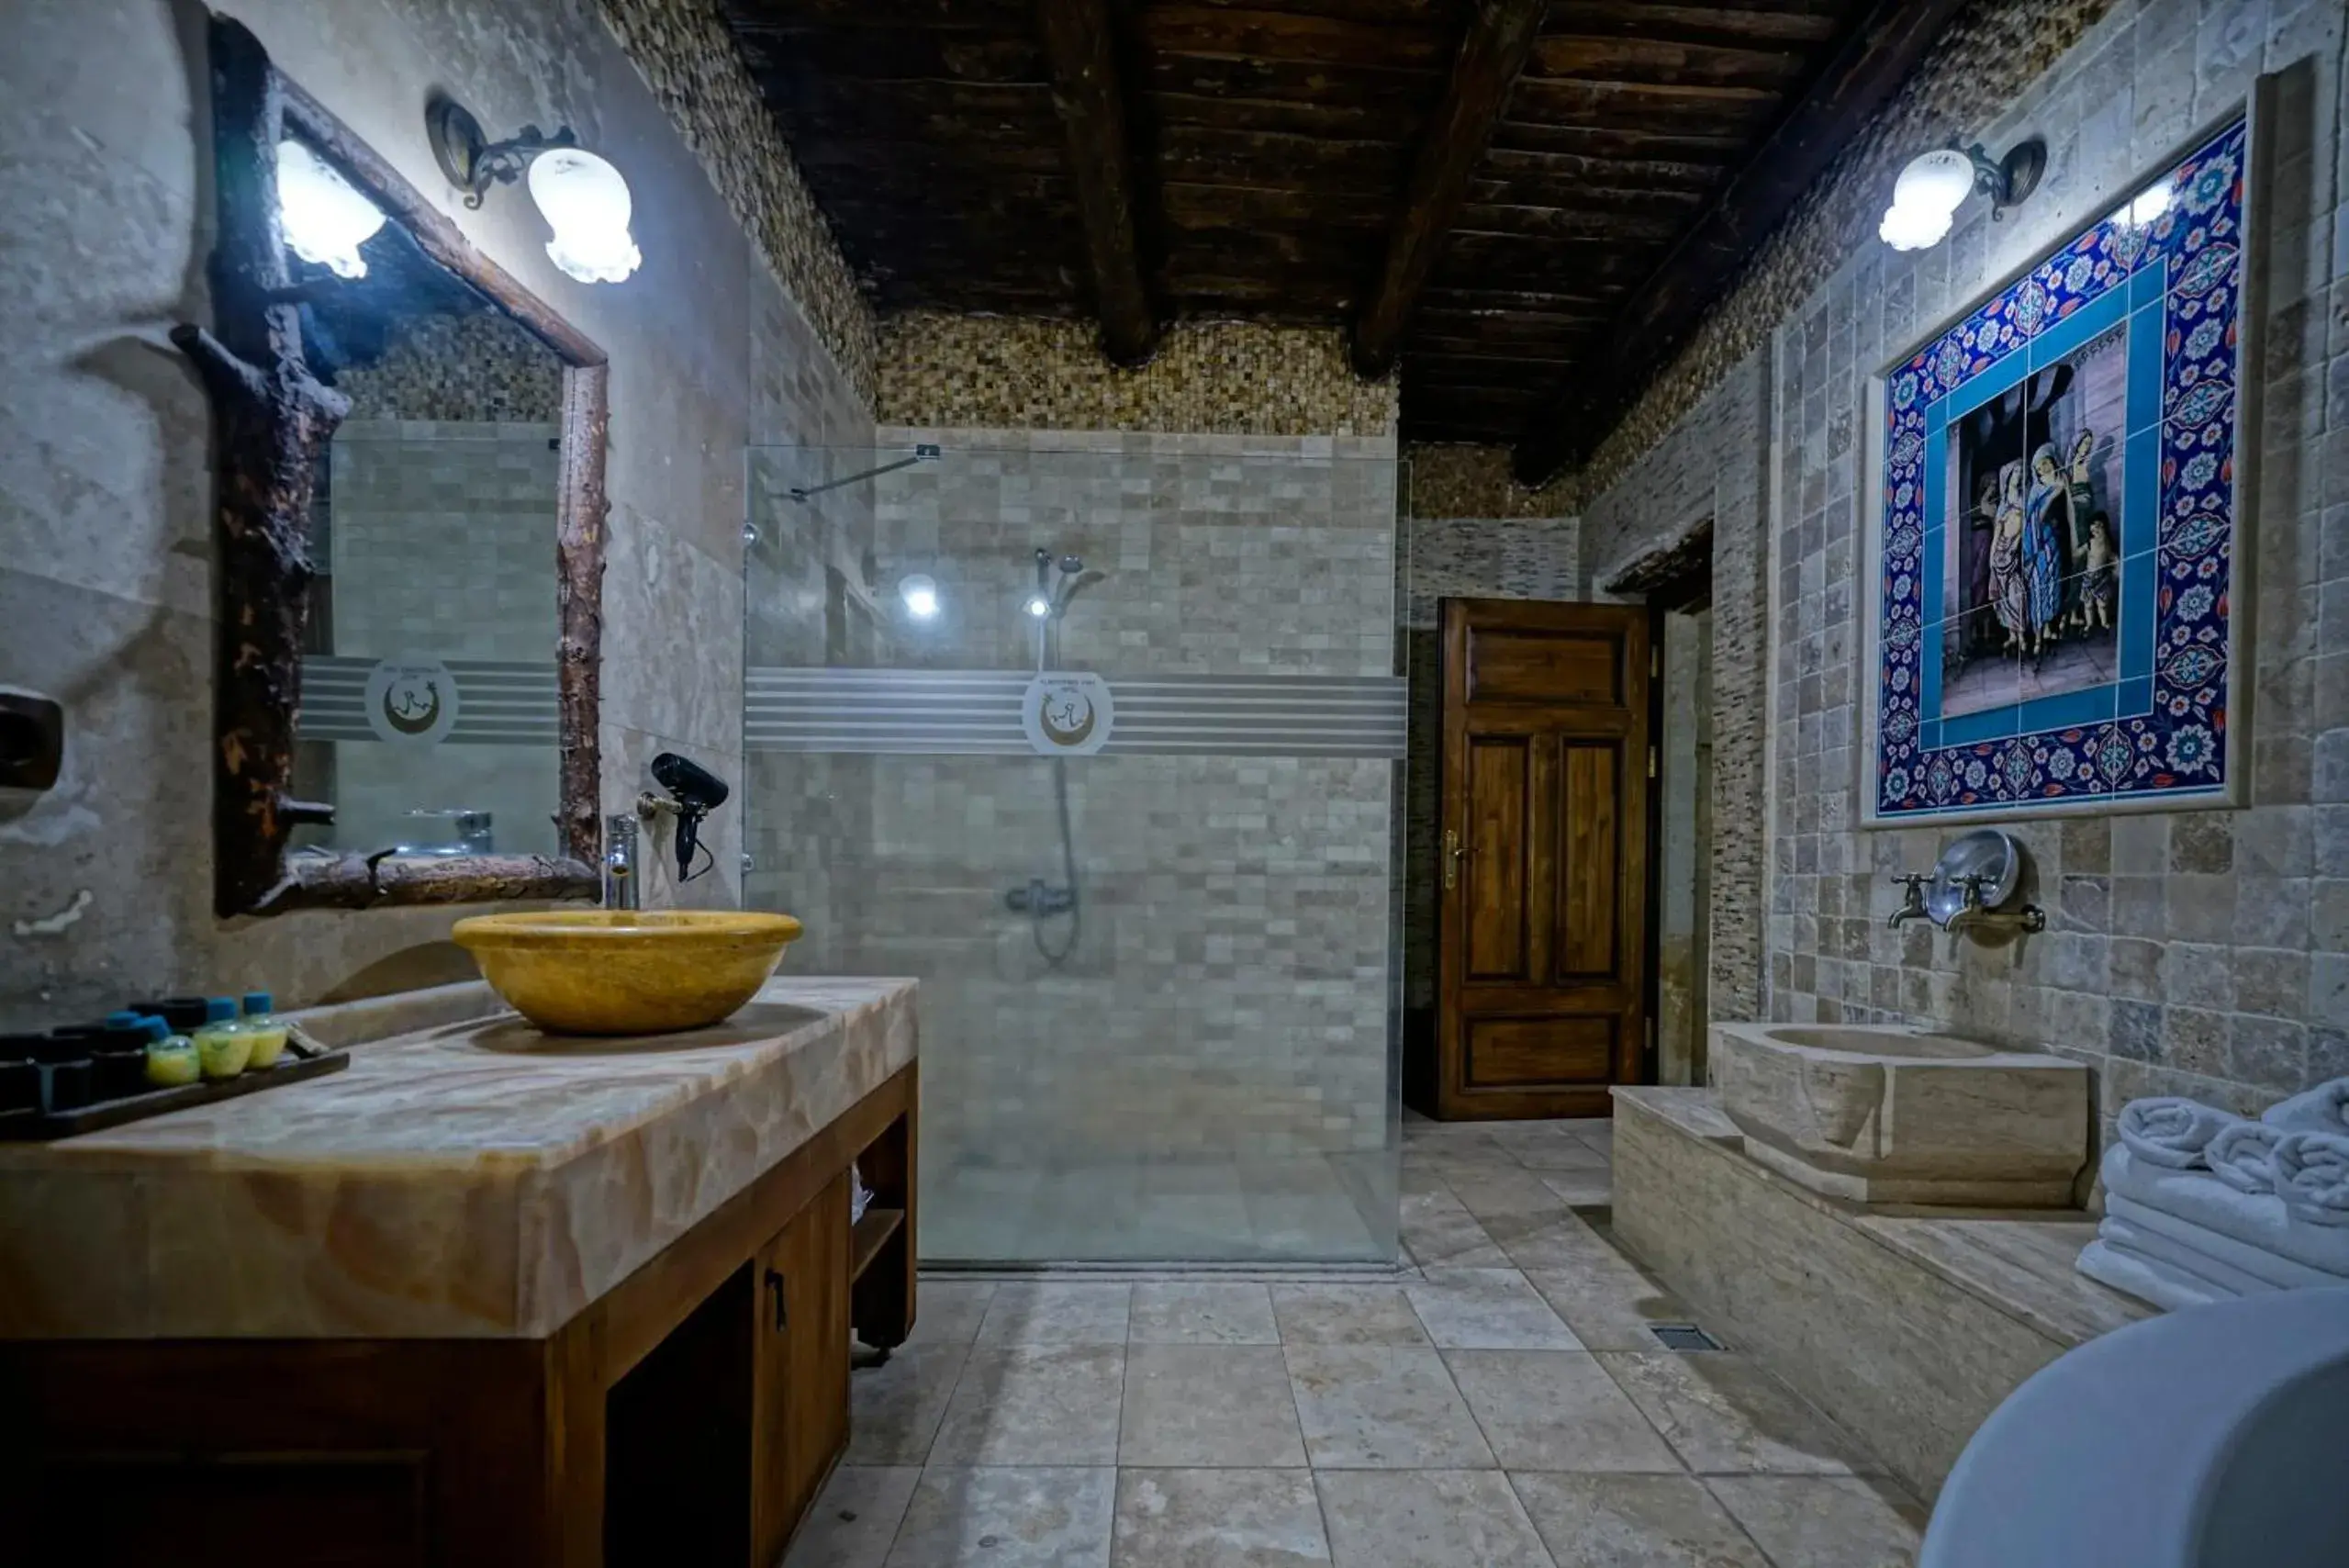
x: 1228, y: 994
x: 107, y: 595
x: 2199, y: 953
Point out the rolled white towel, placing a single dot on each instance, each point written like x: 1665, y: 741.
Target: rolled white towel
x: 2256, y: 1219
x: 2169, y: 1130
x: 2147, y: 1279
x: 2313, y: 1177
x: 2324, y: 1109
x: 2244, y: 1156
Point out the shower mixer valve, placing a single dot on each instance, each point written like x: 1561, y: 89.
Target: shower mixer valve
x: 1040, y: 898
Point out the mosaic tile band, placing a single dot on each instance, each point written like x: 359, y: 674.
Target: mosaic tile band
x: 503, y: 703
x: 2164, y: 730
x: 976, y: 712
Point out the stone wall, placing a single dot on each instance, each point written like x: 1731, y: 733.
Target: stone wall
x: 479, y: 367
x: 1460, y: 479
x: 1712, y: 468
x: 1209, y: 377
x: 106, y: 881
x: 2199, y: 953
x: 687, y: 55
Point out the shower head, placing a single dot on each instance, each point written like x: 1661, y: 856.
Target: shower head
x: 1052, y: 598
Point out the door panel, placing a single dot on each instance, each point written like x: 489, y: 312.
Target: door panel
x: 1542, y: 948
x: 1500, y: 780
x: 1590, y: 871
x: 1521, y: 1053
x: 1542, y: 665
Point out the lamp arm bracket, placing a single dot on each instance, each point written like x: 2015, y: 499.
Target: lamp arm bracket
x: 473, y: 163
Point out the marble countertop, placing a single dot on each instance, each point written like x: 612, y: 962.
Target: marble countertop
x: 475, y: 1180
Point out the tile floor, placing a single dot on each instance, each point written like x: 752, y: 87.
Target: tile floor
x: 1499, y: 1402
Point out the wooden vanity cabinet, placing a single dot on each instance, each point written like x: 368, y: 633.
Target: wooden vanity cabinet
x: 686, y: 1417
x: 798, y: 1366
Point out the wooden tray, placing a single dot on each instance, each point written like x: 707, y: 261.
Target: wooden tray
x: 35, y: 1126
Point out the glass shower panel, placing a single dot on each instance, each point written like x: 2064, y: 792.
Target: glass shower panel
x: 1150, y: 911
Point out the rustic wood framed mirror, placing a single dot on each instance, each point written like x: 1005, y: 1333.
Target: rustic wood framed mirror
x: 453, y: 511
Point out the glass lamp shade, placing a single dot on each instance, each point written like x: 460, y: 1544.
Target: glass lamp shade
x: 585, y: 200
x: 325, y: 221
x: 1924, y: 198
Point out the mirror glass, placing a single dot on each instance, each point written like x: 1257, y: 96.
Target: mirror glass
x: 428, y: 712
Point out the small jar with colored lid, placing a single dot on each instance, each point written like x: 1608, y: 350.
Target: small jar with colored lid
x: 221, y: 1045
x: 264, y: 1028
x: 171, y: 1059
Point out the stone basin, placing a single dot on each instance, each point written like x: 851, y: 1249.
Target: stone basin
x: 1893, y: 1114
x: 621, y: 971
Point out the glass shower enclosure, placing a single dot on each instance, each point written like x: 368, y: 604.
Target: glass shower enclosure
x: 1103, y: 745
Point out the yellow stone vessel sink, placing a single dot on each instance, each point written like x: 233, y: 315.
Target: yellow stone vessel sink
x: 617, y: 971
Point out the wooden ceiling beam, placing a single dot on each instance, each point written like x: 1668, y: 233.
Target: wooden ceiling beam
x: 1860, y: 78
x: 1078, y: 42
x: 1492, y: 53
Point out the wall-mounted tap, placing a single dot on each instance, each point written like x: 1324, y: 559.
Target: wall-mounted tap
x: 1912, y: 905
x: 1973, y: 915
x: 623, y: 883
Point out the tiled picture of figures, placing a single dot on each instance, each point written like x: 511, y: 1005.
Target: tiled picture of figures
x: 2031, y: 599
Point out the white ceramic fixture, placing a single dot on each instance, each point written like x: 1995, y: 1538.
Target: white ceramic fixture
x: 585, y: 200
x: 325, y: 220
x: 2212, y: 1438
x: 1924, y: 198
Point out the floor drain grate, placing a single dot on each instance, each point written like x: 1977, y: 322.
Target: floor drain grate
x: 1684, y: 1337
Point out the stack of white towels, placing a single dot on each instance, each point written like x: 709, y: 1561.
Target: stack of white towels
x: 2201, y: 1205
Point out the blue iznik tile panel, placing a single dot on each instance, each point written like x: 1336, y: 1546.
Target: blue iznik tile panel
x: 2059, y: 528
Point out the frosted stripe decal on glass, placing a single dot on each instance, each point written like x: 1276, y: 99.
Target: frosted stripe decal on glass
x: 976, y: 712
x: 501, y: 703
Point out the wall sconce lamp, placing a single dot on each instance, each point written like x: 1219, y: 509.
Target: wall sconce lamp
x: 1934, y: 184
x: 582, y: 198
x: 324, y: 218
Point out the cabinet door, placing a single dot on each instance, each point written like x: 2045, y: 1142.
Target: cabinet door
x: 801, y: 1384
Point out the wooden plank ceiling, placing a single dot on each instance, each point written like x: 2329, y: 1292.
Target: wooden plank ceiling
x: 1481, y: 187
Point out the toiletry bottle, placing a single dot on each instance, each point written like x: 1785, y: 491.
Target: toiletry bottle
x: 222, y: 1044
x: 120, y: 1056
x: 171, y: 1059
x: 266, y: 1028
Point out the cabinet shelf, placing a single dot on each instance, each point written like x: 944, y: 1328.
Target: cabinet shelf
x: 872, y: 1233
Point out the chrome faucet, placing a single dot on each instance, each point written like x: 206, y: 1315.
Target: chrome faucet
x: 1912, y: 906
x: 623, y: 885
x: 1973, y: 915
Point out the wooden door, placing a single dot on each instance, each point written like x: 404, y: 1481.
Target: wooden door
x: 800, y: 1378
x: 1542, y: 861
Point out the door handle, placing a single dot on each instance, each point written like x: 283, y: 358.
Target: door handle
x: 782, y: 1310
x: 1452, y: 852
